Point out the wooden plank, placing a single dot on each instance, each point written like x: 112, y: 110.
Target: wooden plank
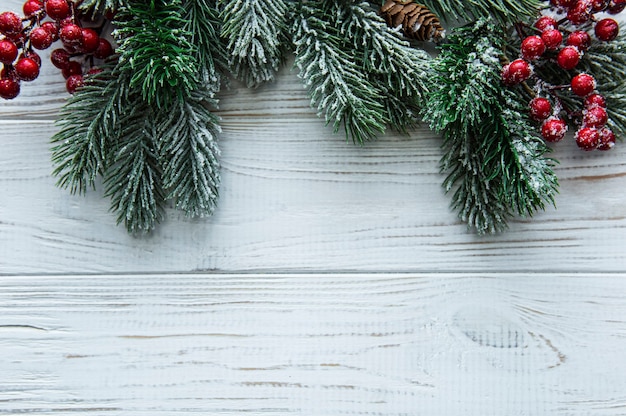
x: 330, y: 344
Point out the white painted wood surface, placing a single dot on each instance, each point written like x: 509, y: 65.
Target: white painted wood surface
x: 332, y: 280
x: 338, y: 344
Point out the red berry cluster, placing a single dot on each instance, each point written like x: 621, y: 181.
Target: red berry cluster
x: 21, y: 36
x: 563, y: 43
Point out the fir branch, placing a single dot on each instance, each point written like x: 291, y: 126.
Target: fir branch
x: 204, y: 25
x: 400, y: 70
x: 492, y: 155
x: 333, y: 76
x: 190, y: 153
x: 505, y: 12
x: 88, y: 125
x: 156, y: 49
x: 256, y: 32
x: 133, y: 179
x: 528, y: 179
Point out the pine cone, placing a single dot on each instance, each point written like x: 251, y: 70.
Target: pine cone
x: 416, y: 20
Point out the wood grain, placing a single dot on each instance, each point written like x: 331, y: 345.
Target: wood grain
x: 331, y: 344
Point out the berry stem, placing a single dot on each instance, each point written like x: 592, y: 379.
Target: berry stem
x: 562, y: 21
x: 519, y: 28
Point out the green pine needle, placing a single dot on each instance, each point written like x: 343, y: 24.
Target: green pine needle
x: 335, y: 81
x: 88, y: 126
x: 157, y: 50
x: 401, y: 71
x: 204, y: 25
x: 133, y: 179
x: 189, y: 153
x: 503, y: 12
x: 256, y: 33
x: 494, y: 160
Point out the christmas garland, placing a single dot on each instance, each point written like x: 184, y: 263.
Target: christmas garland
x: 514, y: 76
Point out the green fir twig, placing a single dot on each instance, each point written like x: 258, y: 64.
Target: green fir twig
x: 500, y: 12
x: 133, y: 179
x: 157, y: 50
x: 496, y: 164
x: 256, y: 34
x: 89, y: 124
x: 190, y: 155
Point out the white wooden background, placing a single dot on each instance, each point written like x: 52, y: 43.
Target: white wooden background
x: 332, y: 280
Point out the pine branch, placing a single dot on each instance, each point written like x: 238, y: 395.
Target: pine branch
x: 204, y: 25
x: 505, y: 12
x: 88, y: 125
x: 152, y: 139
x: 400, y: 70
x: 190, y: 155
x: 528, y: 179
x: 493, y: 157
x: 333, y: 76
x: 256, y: 32
x: 133, y: 179
x: 156, y: 49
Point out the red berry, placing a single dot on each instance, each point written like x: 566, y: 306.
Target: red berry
x: 606, y: 29
x: 568, y: 57
x: 562, y: 3
x: 71, y: 35
x: 69, y: 20
x: 9, y: 88
x: 57, y: 9
x: 40, y: 38
x: 540, y: 108
x: 73, y: 82
x: 8, y: 51
x: 587, y: 138
x: 616, y: 6
x: 32, y: 7
x: 532, y: 48
x: 104, y: 49
x: 32, y: 55
x: 579, y: 39
x: 545, y: 23
x: 52, y: 28
x: 599, y: 5
x: 552, y: 38
x: 94, y: 70
x: 60, y: 58
x: 595, y: 117
x: 72, y: 68
x: 583, y: 84
x: 517, y: 71
x: 595, y: 100
x: 91, y: 40
x: 10, y: 24
x: 27, y: 69
x: 580, y: 13
x: 553, y: 129
x: 607, y: 139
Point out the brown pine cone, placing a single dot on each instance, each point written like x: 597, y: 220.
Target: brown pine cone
x: 416, y: 20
